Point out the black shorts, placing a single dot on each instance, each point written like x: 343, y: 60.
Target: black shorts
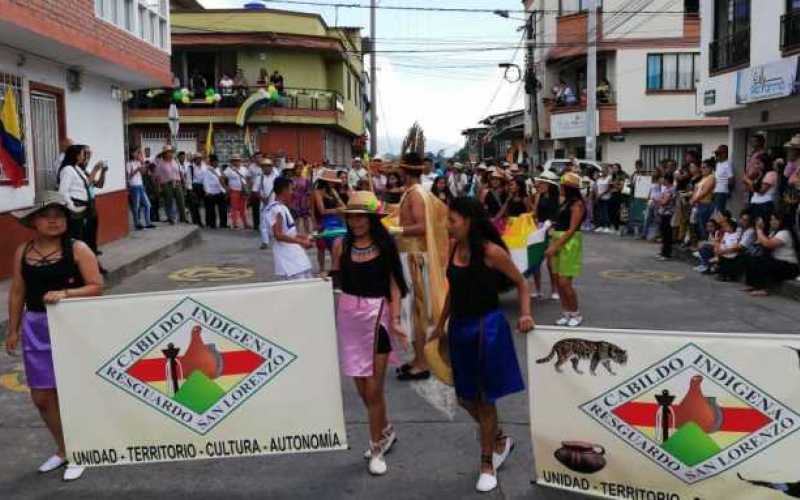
x: 384, y: 344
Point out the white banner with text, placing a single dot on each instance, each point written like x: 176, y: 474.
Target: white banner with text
x: 665, y: 415
x: 225, y: 372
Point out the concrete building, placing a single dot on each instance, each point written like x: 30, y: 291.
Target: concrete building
x: 319, y: 116
x: 649, y: 62
x: 70, y: 65
x: 749, y: 69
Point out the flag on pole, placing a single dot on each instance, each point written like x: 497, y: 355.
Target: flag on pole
x: 526, y: 242
x: 210, y: 139
x: 12, y: 152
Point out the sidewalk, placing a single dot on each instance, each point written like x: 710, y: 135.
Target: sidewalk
x: 788, y: 289
x: 129, y: 255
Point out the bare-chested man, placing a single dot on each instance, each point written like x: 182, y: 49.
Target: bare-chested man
x: 422, y: 241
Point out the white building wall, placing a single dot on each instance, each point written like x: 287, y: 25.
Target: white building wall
x: 93, y: 117
x: 633, y: 101
x: 619, y: 23
x: 626, y: 153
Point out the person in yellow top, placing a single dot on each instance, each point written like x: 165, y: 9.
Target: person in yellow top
x: 422, y: 240
x: 703, y: 197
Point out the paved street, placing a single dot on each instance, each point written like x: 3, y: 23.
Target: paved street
x: 436, y: 457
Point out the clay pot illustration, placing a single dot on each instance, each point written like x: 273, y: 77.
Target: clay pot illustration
x: 697, y: 408
x: 199, y: 357
x: 580, y: 456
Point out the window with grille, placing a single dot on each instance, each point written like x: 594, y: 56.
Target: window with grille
x: 14, y: 83
x: 652, y: 156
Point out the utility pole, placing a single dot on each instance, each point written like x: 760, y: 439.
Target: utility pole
x: 531, y: 91
x: 591, y: 83
x: 373, y: 82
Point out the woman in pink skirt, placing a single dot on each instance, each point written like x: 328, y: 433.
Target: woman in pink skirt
x: 368, y: 314
x: 49, y: 268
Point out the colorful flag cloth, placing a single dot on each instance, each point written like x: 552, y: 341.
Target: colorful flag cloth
x: 12, y: 152
x: 526, y: 241
x: 210, y: 139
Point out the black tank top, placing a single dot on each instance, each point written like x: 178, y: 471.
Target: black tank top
x: 494, y: 203
x: 40, y: 279
x: 516, y: 207
x: 365, y: 279
x: 564, y: 216
x: 473, y: 289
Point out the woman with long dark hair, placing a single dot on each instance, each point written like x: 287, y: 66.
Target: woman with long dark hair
x: 566, y: 248
x: 545, y: 204
x: 780, y: 259
x: 440, y: 190
x: 370, y: 273
x: 481, y: 346
x: 49, y: 268
x: 327, y: 205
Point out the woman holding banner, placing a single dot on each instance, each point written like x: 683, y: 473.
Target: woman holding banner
x: 566, y: 248
x: 481, y: 347
x: 368, y: 265
x: 49, y: 268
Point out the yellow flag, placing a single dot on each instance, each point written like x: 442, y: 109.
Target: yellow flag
x: 9, y: 115
x: 210, y: 139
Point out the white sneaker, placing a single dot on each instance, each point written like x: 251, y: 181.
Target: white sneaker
x: 575, y: 321
x: 563, y: 320
x: 52, y: 464
x: 555, y: 296
x: 499, y: 458
x: 73, y: 472
x: 486, y: 482
x: 696, y: 255
x: 389, y: 438
x: 536, y: 295
x: 599, y: 230
x: 377, y: 464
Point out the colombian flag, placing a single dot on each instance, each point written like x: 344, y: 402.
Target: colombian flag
x: 210, y: 139
x: 12, y: 153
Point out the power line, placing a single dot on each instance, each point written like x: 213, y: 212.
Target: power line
x: 460, y: 9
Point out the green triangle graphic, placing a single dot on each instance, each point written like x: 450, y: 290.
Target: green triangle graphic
x: 199, y: 393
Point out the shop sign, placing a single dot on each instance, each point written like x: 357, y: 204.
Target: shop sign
x: 768, y: 81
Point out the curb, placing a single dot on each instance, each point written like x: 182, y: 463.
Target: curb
x: 114, y: 277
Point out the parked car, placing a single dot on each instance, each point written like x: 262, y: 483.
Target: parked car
x: 559, y: 165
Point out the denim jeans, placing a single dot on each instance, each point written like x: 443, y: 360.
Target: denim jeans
x: 602, y: 213
x: 704, y: 213
x: 139, y: 203
x: 721, y: 201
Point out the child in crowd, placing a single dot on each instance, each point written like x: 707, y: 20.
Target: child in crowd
x: 705, y: 248
x: 291, y: 261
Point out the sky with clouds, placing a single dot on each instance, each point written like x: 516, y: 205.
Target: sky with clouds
x: 445, y: 91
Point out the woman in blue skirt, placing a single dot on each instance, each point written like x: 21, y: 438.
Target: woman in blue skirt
x: 481, y: 346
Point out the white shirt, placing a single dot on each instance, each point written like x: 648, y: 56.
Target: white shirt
x: 199, y: 170
x: 730, y: 240
x: 786, y: 251
x: 74, y: 185
x: 290, y: 258
x: 236, y: 177
x: 771, y: 193
x: 211, y: 181
x: 135, y: 179
x: 603, y: 186
x: 723, y: 173
x: 355, y: 176
x: 263, y: 185
x: 457, y: 182
x: 253, y: 173
x: 427, y: 180
x: 186, y: 174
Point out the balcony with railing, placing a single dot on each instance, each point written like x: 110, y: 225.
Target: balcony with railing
x: 730, y: 52
x: 148, y: 106
x: 790, y: 31
x: 606, y: 109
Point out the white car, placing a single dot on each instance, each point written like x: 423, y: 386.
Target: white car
x: 560, y: 165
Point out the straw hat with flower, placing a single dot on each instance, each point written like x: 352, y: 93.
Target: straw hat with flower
x: 364, y: 202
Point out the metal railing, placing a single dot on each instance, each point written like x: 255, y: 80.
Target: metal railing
x: 730, y: 51
x: 606, y: 96
x: 291, y: 98
x: 790, y: 30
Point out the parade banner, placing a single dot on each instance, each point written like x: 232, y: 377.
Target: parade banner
x: 196, y: 374
x: 665, y: 415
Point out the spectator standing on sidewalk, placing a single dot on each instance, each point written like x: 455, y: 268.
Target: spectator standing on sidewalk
x: 214, y: 195
x: 603, y: 195
x: 703, y: 197
x: 664, y: 212
x: 186, y: 171
x: 138, y: 197
x: 791, y: 177
x: 357, y: 174
x: 289, y: 248
x: 151, y: 188
x: 49, y: 268
x: 762, y: 183
x: 169, y: 183
x: 265, y: 187
x: 238, y: 184
x: 254, y: 201
x: 193, y: 178
x: 725, y: 180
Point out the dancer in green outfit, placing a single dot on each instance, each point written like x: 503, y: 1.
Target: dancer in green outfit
x: 566, y: 248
